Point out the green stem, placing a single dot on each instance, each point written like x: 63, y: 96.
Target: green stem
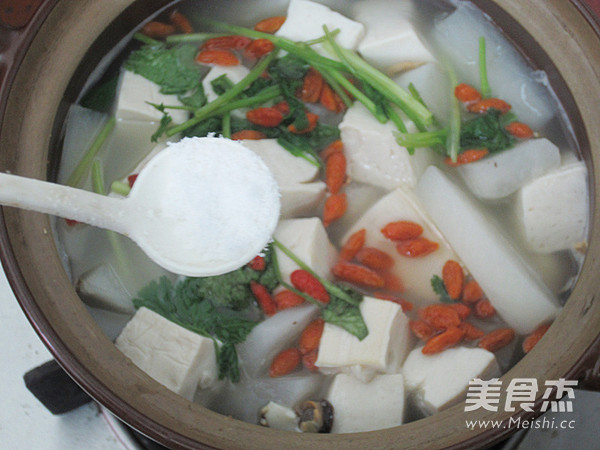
x: 82, y: 168
x: 113, y: 237
x: 191, y: 37
x: 146, y: 40
x: 226, y: 125
x: 228, y: 96
x: 485, y: 85
x: 453, y: 137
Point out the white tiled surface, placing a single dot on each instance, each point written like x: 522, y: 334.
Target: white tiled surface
x: 24, y: 422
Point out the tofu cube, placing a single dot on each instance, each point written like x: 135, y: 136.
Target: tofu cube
x: 497, y: 176
x: 305, y: 20
x: 286, y: 168
x: 415, y: 273
x: 135, y: 92
x: 553, y: 209
x: 382, y: 351
x: 370, y: 406
x: 390, y: 40
x: 308, y: 240
x: 301, y: 199
x: 374, y: 156
x: 300, y: 194
x: 178, y: 358
x: 514, y: 288
x: 438, y: 381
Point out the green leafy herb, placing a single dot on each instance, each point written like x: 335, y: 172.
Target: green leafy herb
x: 196, y: 99
x: 101, y: 97
x: 438, y: 287
x: 173, y: 69
x: 221, y: 84
x: 347, y: 316
x: 231, y: 290
x: 486, y: 131
x: 183, y: 307
x: 165, y: 121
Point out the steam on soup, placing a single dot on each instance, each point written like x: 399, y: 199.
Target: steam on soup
x: 434, y: 208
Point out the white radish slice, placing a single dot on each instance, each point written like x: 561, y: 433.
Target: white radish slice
x: 517, y: 293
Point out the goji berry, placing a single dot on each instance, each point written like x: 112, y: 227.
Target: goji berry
x: 472, y: 333
x: 283, y: 107
x: 497, y: 339
x: 483, y: 106
x: 402, y: 230
x: 335, y: 172
x: 472, y: 292
x: 335, y: 207
x: 313, y: 119
x: 258, y: 48
x: 131, y: 179
x: 334, y: 147
x: 287, y: 299
x: 263, y: 298
x: 439, y: 316
x: 404, y: 304
x: 311, y: 336
x: 466, y: 157
x: 265, y: 117
x: 442, y: 341
x: 466, y: 93
x: 285, y: 362
x: 354, y: 243
x: 453, y: 278
x: 415, y: 248
x: 158, y: 30
x: 233, y: 42
x: 218, y: 57
x: 420, y: 329
x: 393, y: 282
x: 311, y: 86
x: 309, y: 360
x: 248, y: 135
x: 374, y: 258
x: 72, y: 222
x: 258, y: 263
x: 357, y: 274
x: 181, y: 22
x: 463, y: 310
x: 532, y: 339
x: 270, y: 24
x: 331, y: 100
x: 306, y: 282
x: 520, y: 130
x: 483, y: 309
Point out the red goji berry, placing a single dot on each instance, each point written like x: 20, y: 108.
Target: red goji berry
x: 218, y: 57
x: 466, y: 93
x: 483, y: 106
x: 335, y: 207
x: 453, y: 278
x: 265, y: 117
x: 354, y: 243
x: 181, y: 22
x: 439, y: 316
x: 532, y: 339
x: 313, y: 119
x: 158, y: 30
x: 440, y: 342
x: 263, y: 298
x: 420, y: 329
x: 357, y: 274
x: 519, y: 130
x: 416, y: 248
x: 311, y: 336
x: 287, y: 299
x: 233, y: 42
x: 306, y: 282
x: 402, y: 230
x: 258, y: 48
x: 258, y: 263
x: 466, y: 157
x: 285, y: 362
x: 497, y: 339
x: 335, y: 172
x: 270, y: 25
x: 248, y: 135
x: 374, y: 258
x: 311, y: 86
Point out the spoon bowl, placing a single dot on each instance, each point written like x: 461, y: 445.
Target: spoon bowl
x: 200, y: 207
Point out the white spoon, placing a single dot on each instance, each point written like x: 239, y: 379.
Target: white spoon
x: 201, y: 207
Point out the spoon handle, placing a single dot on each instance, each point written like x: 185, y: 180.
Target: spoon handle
x: 64, y: 201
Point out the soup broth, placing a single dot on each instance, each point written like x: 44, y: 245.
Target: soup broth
x: 410, y: 229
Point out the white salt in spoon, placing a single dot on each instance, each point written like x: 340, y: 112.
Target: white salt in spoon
x: 201, y: 207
